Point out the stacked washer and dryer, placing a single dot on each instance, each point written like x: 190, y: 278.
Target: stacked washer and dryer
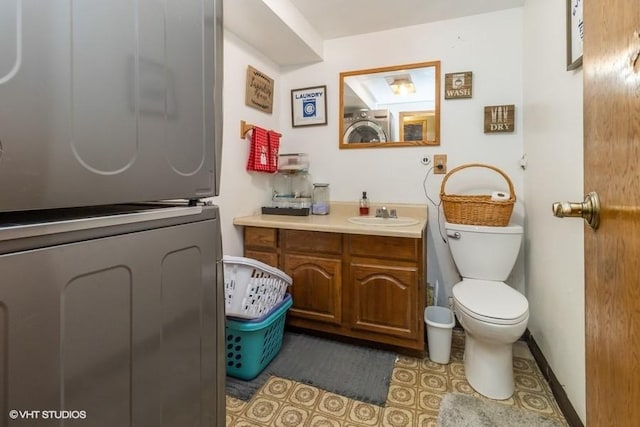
x: 367, y: 126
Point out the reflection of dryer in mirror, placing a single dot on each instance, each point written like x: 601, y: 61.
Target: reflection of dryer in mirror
x: 366, y: 126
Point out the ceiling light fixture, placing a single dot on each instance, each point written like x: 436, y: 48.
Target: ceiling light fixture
x: 402, y: 86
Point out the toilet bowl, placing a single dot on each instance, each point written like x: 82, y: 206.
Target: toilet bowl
x: 493, y: 314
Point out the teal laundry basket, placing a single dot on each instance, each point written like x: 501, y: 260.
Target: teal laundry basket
x: 252, y: 344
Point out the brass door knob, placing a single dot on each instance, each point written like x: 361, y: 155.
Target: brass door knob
x: 589, y: 209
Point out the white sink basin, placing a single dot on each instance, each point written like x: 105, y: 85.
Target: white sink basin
x: 385, y: 222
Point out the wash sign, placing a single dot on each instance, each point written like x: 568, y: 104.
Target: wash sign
x: 458, y: 85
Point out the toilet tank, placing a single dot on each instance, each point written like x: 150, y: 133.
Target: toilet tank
x: 483, y: 252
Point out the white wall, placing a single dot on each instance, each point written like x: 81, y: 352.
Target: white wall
x: 554, y: 247
x: 490, y: 45
x: 242, y: 192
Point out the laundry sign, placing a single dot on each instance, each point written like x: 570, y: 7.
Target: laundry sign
x: 458, y: 85
x: 259, y: 90
x: 309, y: 106
x: 499, y: 118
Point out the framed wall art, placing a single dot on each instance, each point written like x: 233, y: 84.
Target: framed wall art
x: 309, y: 106
x: 259, y: 90
x: 414, y: 130
x: 458, y: 85
x: 418, y: 126
x: 575, y: 33
x: 499, y: 118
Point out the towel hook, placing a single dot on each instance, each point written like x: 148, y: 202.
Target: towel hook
x: 244, y: 128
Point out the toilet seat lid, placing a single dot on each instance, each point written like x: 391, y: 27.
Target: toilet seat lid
x: 492, y: 301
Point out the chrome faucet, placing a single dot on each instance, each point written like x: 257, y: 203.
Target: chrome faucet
x: 383, y: 212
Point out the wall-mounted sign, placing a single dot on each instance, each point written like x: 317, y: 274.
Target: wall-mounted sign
x: 499, y: 118
x: 458, y: 85
x: 259, y: 91
x: 309, y: 106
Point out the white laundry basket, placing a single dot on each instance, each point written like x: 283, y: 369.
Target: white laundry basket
x: 440, y: 322
x: 251, y: 287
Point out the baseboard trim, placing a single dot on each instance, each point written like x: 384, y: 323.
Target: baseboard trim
x: 562, y: 399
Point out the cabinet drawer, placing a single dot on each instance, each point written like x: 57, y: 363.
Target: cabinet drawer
x: 270, y: 258
x: 312, y: 241
x: 258, y: 237
x: 385, y: 247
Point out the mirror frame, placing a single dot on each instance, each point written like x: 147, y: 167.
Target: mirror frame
x: 341, y: 127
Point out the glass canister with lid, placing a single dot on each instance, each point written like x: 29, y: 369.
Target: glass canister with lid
x: 320, y: 204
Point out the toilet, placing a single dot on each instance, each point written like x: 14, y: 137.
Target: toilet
x: 492, y: 313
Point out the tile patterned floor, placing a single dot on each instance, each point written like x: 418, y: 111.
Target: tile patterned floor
x: 417, y: 386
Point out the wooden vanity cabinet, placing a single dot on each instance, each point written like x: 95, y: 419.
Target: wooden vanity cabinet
x: 360, y: 286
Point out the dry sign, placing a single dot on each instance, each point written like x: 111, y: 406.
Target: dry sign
x: 259, y: 91
x: 499, y: 118
x: 458, y: 85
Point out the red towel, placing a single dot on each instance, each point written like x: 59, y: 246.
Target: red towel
x: 259, y: 151
x: 274, y: 146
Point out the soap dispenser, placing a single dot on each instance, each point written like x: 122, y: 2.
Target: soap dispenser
x: 364, y: 204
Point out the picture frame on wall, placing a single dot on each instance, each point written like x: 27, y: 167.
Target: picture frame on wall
x: 414, y: 130
x: 418, y: 127
x: 575, y: 34
x: 458, y: 85
x: 309, y: 106
x: 499, y: 118
x: 259, y: 90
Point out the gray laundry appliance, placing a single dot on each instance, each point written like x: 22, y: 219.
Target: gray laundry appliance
x: 367, y: 126
x: 111, y: 287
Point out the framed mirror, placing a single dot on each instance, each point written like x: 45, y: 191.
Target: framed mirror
x: 396, y: 106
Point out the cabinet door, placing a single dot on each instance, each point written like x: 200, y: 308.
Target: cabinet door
x: 317, y: 287
x: 385, y: 299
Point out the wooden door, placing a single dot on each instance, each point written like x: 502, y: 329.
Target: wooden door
x: 612, y: 169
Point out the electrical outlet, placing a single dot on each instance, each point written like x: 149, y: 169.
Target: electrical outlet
x: 439, y: 164
x: 425, y: 160
x: 450, y: 303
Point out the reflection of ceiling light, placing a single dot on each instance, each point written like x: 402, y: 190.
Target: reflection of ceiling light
x: 402, y: 86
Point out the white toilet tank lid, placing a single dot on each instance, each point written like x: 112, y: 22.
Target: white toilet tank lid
x: 509, y: 229
x: 491, y: 299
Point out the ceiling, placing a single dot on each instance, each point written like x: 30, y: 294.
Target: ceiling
x: 291, y: 32
x: 340, y: 18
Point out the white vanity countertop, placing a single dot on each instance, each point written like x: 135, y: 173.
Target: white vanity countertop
x: 337, y: 221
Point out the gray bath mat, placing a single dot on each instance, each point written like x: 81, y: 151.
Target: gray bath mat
x: 353, y: 371
x: 459, y: 410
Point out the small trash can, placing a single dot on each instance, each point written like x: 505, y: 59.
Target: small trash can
x: 440, y: 323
